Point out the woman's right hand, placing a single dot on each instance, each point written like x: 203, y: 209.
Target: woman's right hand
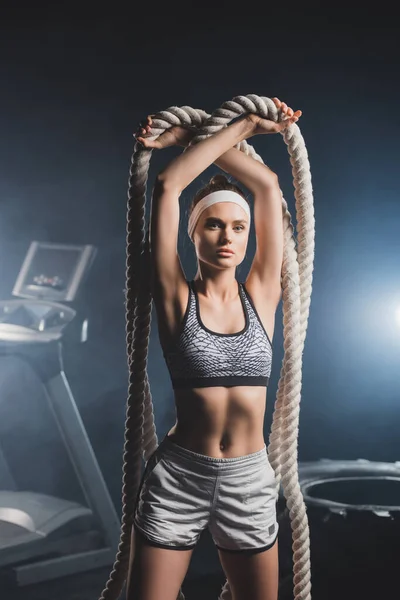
x: 175, y: 136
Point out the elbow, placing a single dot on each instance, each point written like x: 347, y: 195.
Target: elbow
x: 269, y: 181
x: 166, y: 183
x: 271, y: 178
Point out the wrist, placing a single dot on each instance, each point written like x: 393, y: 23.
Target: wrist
x: 249, y: 125
x: 186, y: 138
x: 253, y: 122
x: 243, y: 128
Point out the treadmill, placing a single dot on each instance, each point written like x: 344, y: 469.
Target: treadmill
x: 44, y: 536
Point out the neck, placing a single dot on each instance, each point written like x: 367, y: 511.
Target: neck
x: 220, y: 288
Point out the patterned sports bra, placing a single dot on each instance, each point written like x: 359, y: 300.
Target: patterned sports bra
x: 200, y: 357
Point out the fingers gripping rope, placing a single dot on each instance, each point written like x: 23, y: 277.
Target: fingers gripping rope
x: 297, y: 268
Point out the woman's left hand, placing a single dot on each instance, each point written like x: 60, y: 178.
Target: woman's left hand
x: 266, y: 126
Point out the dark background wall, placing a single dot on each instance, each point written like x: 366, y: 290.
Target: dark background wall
x: 73, y: 92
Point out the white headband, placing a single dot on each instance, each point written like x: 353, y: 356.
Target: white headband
x: 213, y: 198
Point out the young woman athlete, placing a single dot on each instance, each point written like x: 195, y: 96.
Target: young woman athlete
x: 212, y: 469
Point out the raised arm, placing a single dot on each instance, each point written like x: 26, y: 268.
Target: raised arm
x: 218, y: 149
x: 181, y: 171
x: 257, y: 177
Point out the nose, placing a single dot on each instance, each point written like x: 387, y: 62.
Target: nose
x: 226, y: 238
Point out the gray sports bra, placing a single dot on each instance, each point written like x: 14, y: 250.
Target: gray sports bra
x: 200, y: 357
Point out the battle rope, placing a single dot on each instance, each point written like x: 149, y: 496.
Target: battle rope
x: 297, y: 268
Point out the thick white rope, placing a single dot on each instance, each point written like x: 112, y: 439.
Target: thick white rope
x: 297, y: 267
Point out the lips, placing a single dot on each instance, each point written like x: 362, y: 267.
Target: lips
x: 224, y: 251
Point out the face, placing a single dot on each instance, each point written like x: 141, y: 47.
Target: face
x: 222, y: 225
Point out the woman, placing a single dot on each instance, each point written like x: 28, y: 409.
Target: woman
x: 212, y: 470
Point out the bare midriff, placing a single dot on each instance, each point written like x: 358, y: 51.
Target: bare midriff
x: 220, y: 422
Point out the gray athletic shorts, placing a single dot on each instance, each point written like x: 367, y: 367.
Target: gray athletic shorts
x: 182, y: 492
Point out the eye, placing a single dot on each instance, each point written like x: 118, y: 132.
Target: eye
x: 240, y: 227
